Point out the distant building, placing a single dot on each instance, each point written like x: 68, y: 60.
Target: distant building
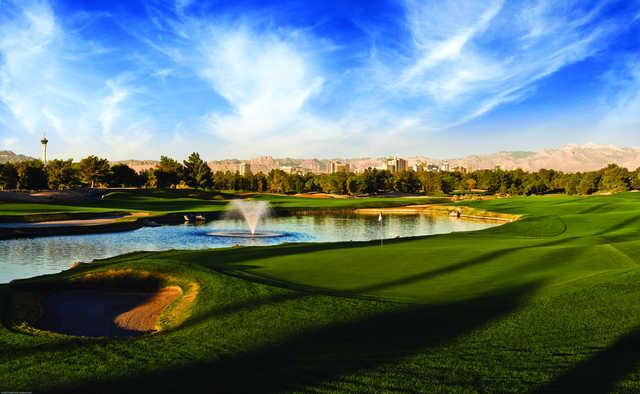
x: 444, y: 166
x: 395, y: 164
x: 44, y: 142
x: 419, y: 167
x: 293, y: 170
x: 244, y: 169
x: 432, y: 167
x: 339, y: 166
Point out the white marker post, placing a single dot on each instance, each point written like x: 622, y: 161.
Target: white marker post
x: 381, y: 229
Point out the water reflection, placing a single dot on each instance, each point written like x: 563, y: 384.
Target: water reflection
x: 22, y: 258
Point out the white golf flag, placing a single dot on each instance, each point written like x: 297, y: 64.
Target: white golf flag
x: 380, y: 217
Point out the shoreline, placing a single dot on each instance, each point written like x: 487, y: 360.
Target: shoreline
x: 461, y: 212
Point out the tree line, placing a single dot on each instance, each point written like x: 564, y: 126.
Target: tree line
x: 194, y: 172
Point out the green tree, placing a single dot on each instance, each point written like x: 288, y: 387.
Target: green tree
x: 123, y: 176
x: 615, y: 178
x: 197, y: 172
x: 8, y: 176
x: 93, y: 170
x: 168, y: 173
x: 470, y: 184
x: 335, y: 183
x: 31, y: 175
x: 430, y: 181
x: 61, y: 174
x: 635, y: 179
x: 148, y: 178
x: 535, y: 184
x: 589, y: 183
x: 356, y: 184
x: 407, y: 182
x: 447, y: 182
x: 276, y: 181
x: 571, y: 182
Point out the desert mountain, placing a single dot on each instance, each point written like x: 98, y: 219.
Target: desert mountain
x: 6, y: 156
x: 570, y: 158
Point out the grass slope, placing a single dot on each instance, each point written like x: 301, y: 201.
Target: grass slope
x: 162, y: 202
x: 548, y: 303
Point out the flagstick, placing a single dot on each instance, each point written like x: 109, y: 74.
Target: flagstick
x: 381, y: 230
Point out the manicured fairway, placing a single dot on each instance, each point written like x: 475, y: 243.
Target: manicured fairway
x: 549, y: 302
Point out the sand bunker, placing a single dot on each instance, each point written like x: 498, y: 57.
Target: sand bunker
x: 97, y: 313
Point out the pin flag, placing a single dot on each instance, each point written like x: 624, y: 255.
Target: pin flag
x: 381, y: 232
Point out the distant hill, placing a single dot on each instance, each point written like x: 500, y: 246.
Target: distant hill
x: 6, y: 156
x: 570, y: 158
x: 138, y: 165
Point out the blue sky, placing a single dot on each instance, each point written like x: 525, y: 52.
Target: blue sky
x: 137, y: 79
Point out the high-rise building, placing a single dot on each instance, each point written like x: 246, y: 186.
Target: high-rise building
x: 44, y: 142
x: 419, y: 166
x: 444, y: 166
x: 293, y: 170
x: 338, y: 166
x: 396, y: 164
x: 244, y: 169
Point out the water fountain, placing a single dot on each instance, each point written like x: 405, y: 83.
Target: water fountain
x: 252, y: 212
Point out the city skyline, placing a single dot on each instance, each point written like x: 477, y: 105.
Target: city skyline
x: 139, y: 79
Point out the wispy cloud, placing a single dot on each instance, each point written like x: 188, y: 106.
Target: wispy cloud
x: 621, y: 118
x: 236, y: 81
x: 43, y: 89
x: 467, y: 59
x: 26, y: 38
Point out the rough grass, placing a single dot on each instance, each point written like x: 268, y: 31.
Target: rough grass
x: 548, y: 303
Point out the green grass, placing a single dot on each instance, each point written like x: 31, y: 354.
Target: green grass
x: 162, y: 202
x: 22, y: 209
x: 286, y: 202
x: 547, y: 303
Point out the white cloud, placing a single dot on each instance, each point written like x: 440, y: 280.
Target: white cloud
x: 469, y: 59
x: 24, y: 45
x: 621, y: 119
x: 163, y: 73
x: 110, y: 111
x: 265, y: 79
x: 442, y: 30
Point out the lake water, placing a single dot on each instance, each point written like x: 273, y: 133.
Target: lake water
x: 24, y: 258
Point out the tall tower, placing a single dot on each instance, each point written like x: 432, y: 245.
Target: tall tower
x: 44, y: 141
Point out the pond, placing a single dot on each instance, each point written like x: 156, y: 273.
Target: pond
x: 24, y: 258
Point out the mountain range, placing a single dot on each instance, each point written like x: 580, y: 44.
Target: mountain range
x: 569, y: 158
